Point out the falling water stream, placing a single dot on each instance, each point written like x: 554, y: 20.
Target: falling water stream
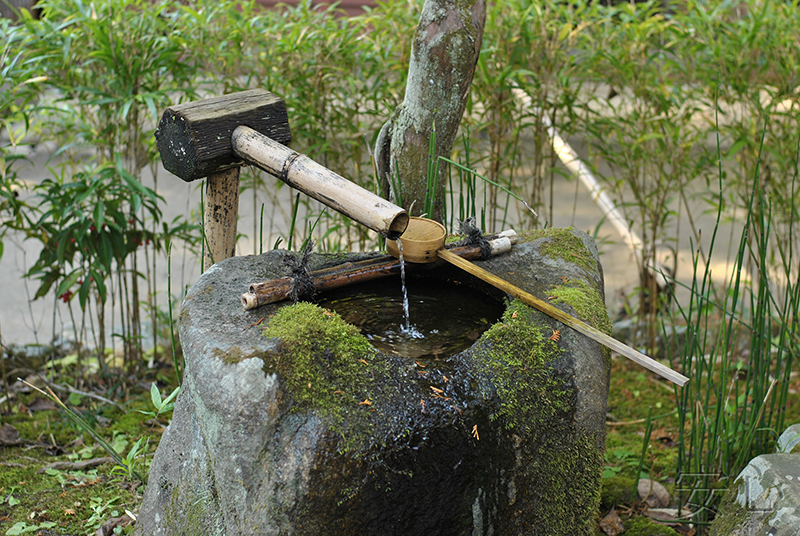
x: 408, y: 329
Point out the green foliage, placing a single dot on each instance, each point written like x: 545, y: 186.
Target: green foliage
x: 22, y: 527
x: 644, y: 526
x: 740, y: 354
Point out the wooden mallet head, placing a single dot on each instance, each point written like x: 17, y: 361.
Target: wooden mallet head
x: 194, y: 139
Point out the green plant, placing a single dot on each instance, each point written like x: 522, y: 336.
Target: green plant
x: 17, y: 91
x: 161, y: 405
x: 21, y: 527
x: 101, y: 508
x: 109, y: 73
x: 648, y: 135
x: 732, y: 413
x: 124, y: 463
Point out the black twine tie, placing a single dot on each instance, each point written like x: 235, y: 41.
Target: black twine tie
x: 302, y: 284
x: 473, y: 236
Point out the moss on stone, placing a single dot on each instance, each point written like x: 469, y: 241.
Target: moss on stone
x: 618, y: 490
x: 566, y: 473
x: 730, y: 515
x: 562, y: 243
x: 644, y: 526
x: 561, y: 466
x: 327, y: 366
x: 232, y: 355
x: 588, y: 305
x: 515, y: 359
x: 192, y: 516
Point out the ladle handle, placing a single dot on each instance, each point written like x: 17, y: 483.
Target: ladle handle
x: 576, y: 324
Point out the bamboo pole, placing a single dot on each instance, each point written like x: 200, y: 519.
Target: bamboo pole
x: 350, y: 273
x: 319, y: 182
x: 576, y: 324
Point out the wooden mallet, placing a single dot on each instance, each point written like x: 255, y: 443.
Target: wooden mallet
x: 212, y: 138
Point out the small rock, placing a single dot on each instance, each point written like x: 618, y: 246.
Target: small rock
x: 9, y: 436
x: 653, y: 493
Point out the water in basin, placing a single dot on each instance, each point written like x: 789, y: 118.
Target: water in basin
x: 446, y: 317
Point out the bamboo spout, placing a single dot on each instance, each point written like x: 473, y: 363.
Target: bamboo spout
x: 319, y: 182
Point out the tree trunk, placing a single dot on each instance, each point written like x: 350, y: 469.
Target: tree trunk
x: 446, y: 46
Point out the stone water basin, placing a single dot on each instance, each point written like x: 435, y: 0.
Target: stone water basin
x: 446, y: 317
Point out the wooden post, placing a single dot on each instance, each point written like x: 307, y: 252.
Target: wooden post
x: 221, y: 215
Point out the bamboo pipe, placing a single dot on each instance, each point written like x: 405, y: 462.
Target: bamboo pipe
x: 276, y: 290
x: 576, y: 324
x: 319, y: 182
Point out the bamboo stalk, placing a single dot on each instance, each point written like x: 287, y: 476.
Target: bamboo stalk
x: 356, y: 272
x: 576, y: 324
x: 319, y: 182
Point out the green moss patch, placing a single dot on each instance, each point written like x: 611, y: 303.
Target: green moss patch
x: 731, y: 515
x: 515, y: 359
x: 644, y: 526
x: 327, y: 366
x: 588, y: 305
x: 563, y: 244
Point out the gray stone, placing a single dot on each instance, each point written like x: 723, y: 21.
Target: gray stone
x: 789, y: 440
x: 510, y: 442
x: 653, y: 493
x: 765, y: 498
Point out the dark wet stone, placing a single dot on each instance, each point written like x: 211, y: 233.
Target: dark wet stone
x: 504, y: 438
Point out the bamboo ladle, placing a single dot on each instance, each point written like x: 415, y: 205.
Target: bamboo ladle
x: 423, y: 241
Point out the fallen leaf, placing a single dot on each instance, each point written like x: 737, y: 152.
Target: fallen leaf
x: 665, y: 516
x: 40, y: 404
x: 653, y: 493
x: 611, y: 524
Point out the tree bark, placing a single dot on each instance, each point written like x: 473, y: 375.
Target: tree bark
x: 444, y: 53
